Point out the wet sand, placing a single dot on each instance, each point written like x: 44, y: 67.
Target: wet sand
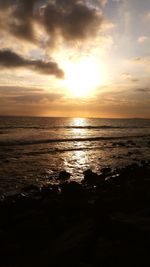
x: 105, y: 221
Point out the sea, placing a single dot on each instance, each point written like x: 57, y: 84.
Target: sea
x: 34, y: 150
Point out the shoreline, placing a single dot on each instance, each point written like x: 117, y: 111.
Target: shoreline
x: 102, y: 222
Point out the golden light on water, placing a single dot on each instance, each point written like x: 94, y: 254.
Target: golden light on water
x: 79, y: 121
x: 82, y: 77
x: 79, y: 159
x: 78, y: 129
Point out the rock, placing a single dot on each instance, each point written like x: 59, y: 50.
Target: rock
x: 106, y: 170
x: 63, y: 175
x: 52, y: 190
x: 71, y: 247
x: 72, y: 189
x: 90, y: 177
x: 80, y: 225
x: 31, y: 188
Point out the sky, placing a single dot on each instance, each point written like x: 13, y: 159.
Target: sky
x: 78, y: 58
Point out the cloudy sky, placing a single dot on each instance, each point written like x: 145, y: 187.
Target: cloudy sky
x: 83, y: 58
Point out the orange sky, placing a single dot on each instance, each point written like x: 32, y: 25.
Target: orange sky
x: 86, y: 58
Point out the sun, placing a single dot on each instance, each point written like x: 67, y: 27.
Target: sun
x: 82, y: 76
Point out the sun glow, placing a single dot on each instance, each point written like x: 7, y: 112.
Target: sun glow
x: 82, y: 76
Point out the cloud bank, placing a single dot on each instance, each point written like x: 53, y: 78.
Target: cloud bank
x: 68, y: 21
x: 9, y: 59
x: 72, y: 20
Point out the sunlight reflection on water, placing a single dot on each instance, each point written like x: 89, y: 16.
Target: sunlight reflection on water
x: 79, y: 121
x: 79, y: 158
x: 78, y: 161
x: 35, y: 150
x: 79, y: 132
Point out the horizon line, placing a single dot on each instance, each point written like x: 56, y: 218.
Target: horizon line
x: 78, y: 117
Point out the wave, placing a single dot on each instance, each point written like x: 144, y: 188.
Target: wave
x: 73, y: 127
x: 86, y: 139
x: 62, y: 150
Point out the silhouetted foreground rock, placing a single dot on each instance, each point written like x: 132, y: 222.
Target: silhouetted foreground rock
x: 63, y: 175
x: 103, y: 222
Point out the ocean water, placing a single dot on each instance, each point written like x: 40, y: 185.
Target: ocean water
x: 33, y: 150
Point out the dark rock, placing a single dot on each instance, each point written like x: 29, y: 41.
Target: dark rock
x: 63, y: 175
x: 129, y: 153
x: 80, y: 225
x: 90, y: 177
x: 50, y: 190
x: 148, y: 143
x: 71, y: 247
x: 30, y: 188
x: 72, y: 189
x: 106, y: 170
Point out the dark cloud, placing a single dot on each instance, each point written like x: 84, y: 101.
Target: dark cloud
x: 9, y: 59
x: 22, y: 26
x: 17, y: 18
x: 73, y: 20
x: 23, y: 30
